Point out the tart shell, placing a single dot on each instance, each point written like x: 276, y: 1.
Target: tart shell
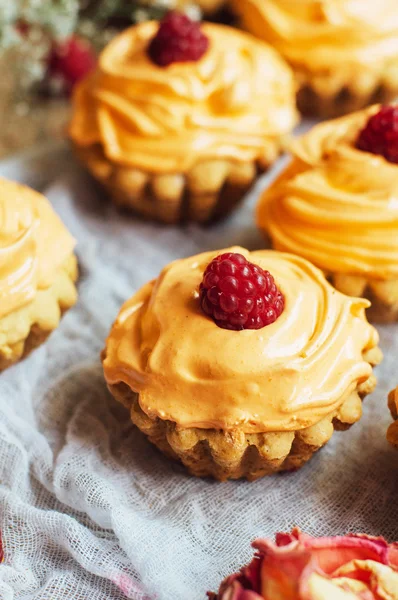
x: 383, y: 294
x: 313, y: 101
x: 234, y: 454
x: 209, y: 191
x: 27, y: 328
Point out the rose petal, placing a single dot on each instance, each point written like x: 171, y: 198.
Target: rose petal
x: 332, y: 552
x: 320, y: 588
x: 393, y: 556
x: 232, y: 589
x: 380, y: 579
x: 300, y: 567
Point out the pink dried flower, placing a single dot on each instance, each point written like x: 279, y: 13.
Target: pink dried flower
x: 300, y: 567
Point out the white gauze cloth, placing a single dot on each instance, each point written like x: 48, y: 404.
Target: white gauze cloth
x: 89, y: 509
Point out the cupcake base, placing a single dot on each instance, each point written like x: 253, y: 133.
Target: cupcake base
x: 28, y: 327
x: 314, y: 103
x: 208, y: 192
x: 382, y: 294
x: 234, y: 454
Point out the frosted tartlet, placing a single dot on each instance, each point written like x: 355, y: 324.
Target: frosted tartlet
x: 38, y: 270
x: 231, y: 404
x: 392, y: 433
x: 187, y: 140
x: 298, y: 566
x: 344, y: 53
x: 337, y: 206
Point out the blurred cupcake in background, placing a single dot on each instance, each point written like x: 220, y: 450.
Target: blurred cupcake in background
x: 336, y: 205
x: 180, y: 118
x: 344, y: 53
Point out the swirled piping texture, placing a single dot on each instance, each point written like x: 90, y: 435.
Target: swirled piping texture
x: 319, y: 35
x: 33, y: 244
x: 336, y: 205
x: 285, y: 376
x: 164, y: 120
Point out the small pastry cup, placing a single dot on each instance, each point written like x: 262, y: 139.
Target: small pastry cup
x: 234, y: 454
x: 317, y: 100
x: 330, y: 83
x: 25, y: 329
x: 383, y: 295
x: 392, y: 432
x: 208, y: 192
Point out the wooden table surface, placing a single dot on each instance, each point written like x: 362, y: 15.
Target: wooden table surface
x: 28, y: 121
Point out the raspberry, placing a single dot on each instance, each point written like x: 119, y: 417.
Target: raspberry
x: 238, y: 294
x: 178, y: 40
x: 380, y: 134
x: 71, y: 60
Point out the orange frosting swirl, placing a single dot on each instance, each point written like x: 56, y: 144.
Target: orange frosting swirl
x: 33, y: 245
x: 285, y: 376
x: 334, y: 204
x: 227, y: 105
x: 317, y: 35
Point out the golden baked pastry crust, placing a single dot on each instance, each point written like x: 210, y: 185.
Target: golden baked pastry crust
x: 315, y: 102
x: 234, y: 454
x: 383, y: 294
x: 209, y: 191
x: 23, y: 330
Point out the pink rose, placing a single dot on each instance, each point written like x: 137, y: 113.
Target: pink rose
x: 300, y: 567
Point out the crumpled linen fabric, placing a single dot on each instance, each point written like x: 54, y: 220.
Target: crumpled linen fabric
x: 89, y: 510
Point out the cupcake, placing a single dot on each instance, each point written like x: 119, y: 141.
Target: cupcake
x: 298, y: 566
x: 392, y: 433
x: 179, y: 118
x: 336, y: 205
x: 38, y: 271
x: 235, y: 373
x: 344, y: 53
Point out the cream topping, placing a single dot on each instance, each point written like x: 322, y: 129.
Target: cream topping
x: 33, y: 245
x: 285, y: 376
x: 227, y: 105
x: 318, y: 35
x: 334, y: 204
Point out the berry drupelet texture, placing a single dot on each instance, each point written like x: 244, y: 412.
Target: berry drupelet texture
x: 238, y: 294
x: 380, y: 134
x: 179, y: 39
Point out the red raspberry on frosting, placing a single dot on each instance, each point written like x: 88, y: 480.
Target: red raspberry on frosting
x: 178, y: 40
x: 238, y: 294
x: 380, y: 134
